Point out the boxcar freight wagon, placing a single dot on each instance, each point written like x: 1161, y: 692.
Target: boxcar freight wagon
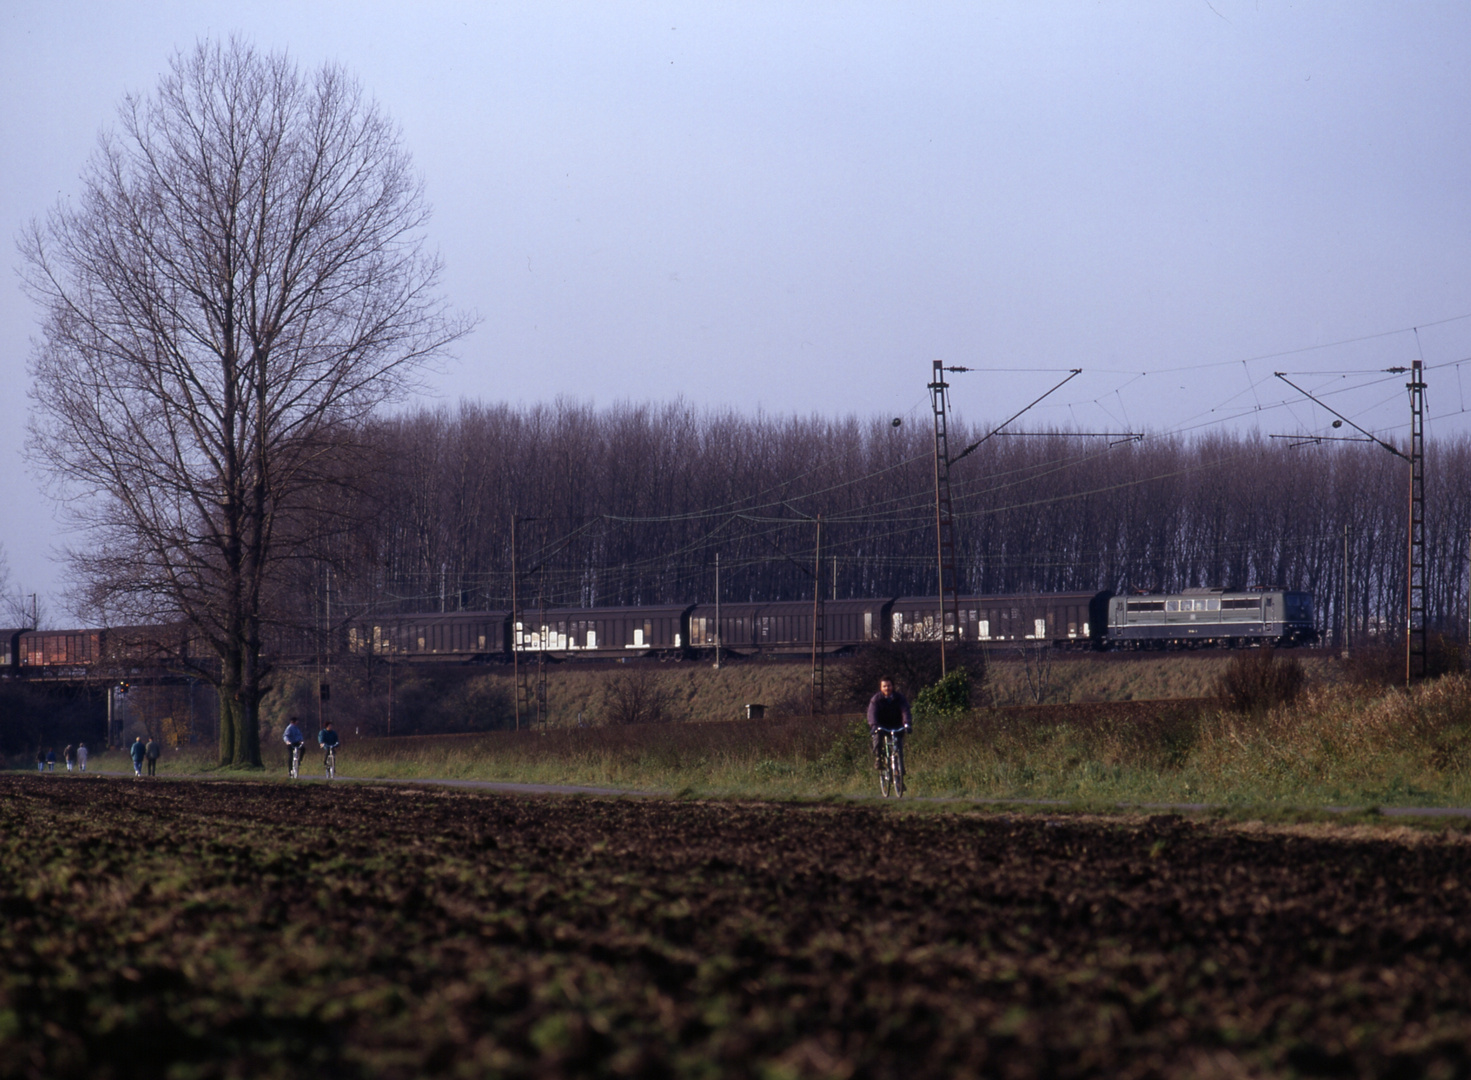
x: 1188, y: 619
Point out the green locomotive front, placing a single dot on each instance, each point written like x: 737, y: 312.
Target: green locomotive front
x: 1225, y: 617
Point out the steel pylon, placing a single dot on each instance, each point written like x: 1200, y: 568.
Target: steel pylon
x: 944, y: 515
x: 1416, y: 624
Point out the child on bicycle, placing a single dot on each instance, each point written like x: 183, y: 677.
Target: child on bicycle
x: 327, y: 740
x: 294, y: 740
x: 887, y: 711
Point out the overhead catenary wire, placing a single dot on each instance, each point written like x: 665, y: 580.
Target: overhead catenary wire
x: 726, y: 507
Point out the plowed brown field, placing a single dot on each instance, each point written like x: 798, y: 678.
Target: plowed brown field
x: 259, y: 929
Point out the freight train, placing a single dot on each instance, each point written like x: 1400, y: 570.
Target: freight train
x: 1189, y: 619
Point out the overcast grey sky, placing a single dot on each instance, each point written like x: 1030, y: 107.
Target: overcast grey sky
x: 795, y: 207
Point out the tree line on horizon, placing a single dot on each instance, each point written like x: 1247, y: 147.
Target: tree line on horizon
x: 632, y: 504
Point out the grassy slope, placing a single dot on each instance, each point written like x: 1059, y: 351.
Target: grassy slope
x: 701, y: 693
x: 697, y: 691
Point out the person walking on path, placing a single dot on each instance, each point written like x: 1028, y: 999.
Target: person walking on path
x: 40, y: 760
x: 82, y: 757
x: 70, y: 754
x: 151, y: 751
x: 50, y: 759
x: 137, y: 752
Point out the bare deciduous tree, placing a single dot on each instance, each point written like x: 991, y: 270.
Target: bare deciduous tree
x: 241, y: 282
x: 636, y: 696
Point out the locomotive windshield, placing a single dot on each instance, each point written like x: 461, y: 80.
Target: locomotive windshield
x: 1300, y: 606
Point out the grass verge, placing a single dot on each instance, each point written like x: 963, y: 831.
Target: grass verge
x: 1334, y: 747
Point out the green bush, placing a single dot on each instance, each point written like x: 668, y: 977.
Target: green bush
x: 948, y: 697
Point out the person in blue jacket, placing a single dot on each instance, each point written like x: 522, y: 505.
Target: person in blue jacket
x: 137, y: 751
x: 326, y: 739
x: 293, y: 738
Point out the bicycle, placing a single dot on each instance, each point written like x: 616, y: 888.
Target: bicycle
x: 330, y: 762
x: 891, y: 763
x: 295, y: 760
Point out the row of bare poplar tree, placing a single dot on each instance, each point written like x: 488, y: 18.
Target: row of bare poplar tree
x: 634, y: 505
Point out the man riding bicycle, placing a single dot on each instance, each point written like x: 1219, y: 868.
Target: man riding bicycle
x: 327, y: 740
x: 294, y: 740
x: 887, y: 711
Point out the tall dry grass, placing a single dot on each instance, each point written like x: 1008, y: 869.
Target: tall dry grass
x: 1126, y: 676
x: 728, y: 756
x: 1334, y: 745
x: 1339, y: 744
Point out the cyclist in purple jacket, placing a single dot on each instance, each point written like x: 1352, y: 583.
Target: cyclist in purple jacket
x: 887, y: 711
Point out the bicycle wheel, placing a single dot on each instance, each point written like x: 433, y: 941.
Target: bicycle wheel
x: 896, y: 765
x: 295, y: 762
x: 886, y: 765
x: 331, y: 764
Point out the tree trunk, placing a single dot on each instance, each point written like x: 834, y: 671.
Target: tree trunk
x: 228, y: 724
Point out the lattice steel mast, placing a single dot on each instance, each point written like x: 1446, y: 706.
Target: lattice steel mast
x: 944, y: 513
x: 1416, y: 630
x: 1415, y: 623
x: 949, y: 581
x: 515, y: 628
x: 819, y: 630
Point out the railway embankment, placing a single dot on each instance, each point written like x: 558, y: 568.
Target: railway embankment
x: 462, y: 698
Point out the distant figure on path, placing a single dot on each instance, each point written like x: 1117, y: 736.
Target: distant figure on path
x: 40, y: 760
x: 70, y: 754
x: 151, y: 752
x: 50, y: 759
x: 137, y: 752
x: 82, y: 756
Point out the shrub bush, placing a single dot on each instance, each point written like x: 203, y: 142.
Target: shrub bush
x: 1256, y: 681
x: 949, y: 697
x: 635, y: 696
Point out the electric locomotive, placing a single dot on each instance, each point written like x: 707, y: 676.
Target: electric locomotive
x: 1226, y: 617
